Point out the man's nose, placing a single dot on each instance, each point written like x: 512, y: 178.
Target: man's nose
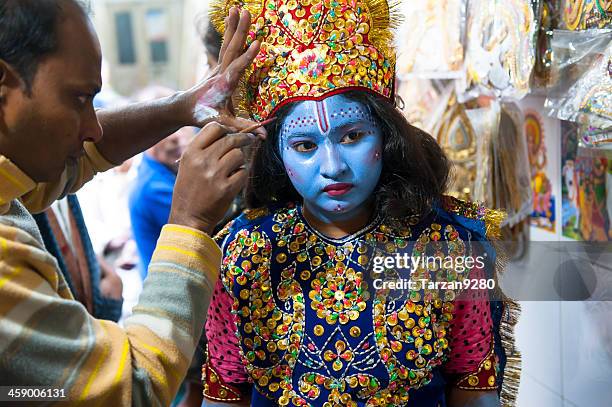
x: 91, y: 130
x: 333, y: 164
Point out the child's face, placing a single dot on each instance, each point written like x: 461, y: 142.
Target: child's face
x: 332, y: 152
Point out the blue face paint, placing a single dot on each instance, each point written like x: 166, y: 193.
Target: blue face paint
x: 332, y: 152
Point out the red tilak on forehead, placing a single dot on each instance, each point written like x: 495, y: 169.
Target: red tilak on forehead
x: 322, y: 119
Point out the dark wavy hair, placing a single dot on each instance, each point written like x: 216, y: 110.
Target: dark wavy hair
x: 415, y: 170
x: 28, y: 33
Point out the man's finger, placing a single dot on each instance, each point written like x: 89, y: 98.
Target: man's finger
x: 232, y: 162
x: 236, y: 45
x: 210, y: 134
x: 231, y: 22
x: 244, y: 123
x: 237, y: 67
x: 231, y: 142
x: 238, y: 180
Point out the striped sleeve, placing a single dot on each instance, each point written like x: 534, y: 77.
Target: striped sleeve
x: 47, y: 338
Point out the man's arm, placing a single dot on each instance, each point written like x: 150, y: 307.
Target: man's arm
x: 129, y: 130
x: 50, y: 339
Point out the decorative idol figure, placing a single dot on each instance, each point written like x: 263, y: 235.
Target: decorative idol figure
x: 351, y: 280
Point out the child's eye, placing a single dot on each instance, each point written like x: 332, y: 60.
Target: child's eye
x: 352, y: 137
x: 304, y: 146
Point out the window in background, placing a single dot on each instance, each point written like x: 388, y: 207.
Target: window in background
x: 125, y: 38
x: 156, y: 21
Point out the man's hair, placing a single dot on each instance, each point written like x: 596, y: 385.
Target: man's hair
x: 415, y: 170
x: 28, y: 33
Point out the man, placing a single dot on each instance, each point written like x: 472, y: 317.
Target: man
x: 50, y: 144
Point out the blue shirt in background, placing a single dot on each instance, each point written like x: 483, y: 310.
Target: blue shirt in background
x: 150, y: 202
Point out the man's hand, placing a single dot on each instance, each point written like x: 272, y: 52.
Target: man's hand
x: 212, y: 98
x: 210, y: 175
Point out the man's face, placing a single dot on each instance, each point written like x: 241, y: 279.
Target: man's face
x: 170, y: 149
x: 44, y: 131
x: 332, y: 152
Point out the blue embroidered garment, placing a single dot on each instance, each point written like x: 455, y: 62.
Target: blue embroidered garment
x: 323, y: 322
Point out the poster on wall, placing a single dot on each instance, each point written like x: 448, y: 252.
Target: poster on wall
x: 587, y: 189
x: 542, y: 133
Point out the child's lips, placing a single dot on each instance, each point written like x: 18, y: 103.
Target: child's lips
x: 338, y: 189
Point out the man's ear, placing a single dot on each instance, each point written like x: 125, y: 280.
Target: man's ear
x: 8, y: 79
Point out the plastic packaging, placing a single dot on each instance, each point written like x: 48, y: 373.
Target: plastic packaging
x: 547, y: 21
x: 500, y: 52
x: 583, y: 89
x: 592, y: 137
x: 424, y: 101
x: 512, y: 173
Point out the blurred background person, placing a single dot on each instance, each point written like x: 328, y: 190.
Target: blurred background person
x: 211, y: 40
x: 150, y: 200
x: 150, y: 197
x: 93, y: 283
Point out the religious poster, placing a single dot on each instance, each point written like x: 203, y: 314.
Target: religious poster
x: 542, y: 133
x: 587, y: 186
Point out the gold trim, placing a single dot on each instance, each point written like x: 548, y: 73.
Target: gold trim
x: 511, y: 313
x: 493, y: 219
x: 512, y: 372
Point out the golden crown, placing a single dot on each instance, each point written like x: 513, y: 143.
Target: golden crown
x: 313, y: 49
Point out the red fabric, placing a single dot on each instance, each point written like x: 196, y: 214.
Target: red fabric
x: 215, y: 388
x: 470, y: 330
x: 223, y: 348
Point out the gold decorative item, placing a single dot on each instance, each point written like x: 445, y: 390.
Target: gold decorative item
x: 465, y: 136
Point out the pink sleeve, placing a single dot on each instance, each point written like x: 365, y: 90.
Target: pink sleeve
x: 471, y: 337
x: 223, y: 348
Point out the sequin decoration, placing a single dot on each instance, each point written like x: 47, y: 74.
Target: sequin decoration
x: 312, y: 49
x: 313, y: 329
